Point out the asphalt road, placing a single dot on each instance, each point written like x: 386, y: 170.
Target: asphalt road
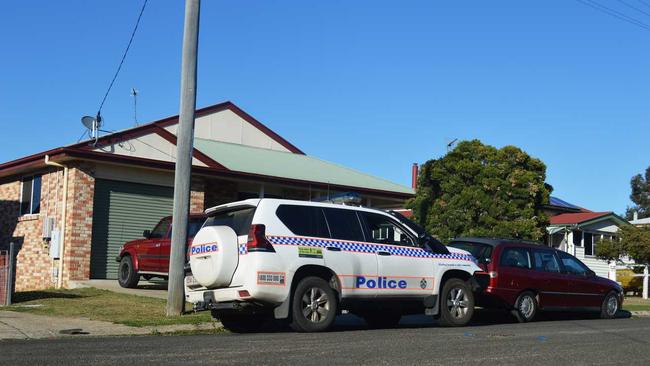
x: 491, y: 340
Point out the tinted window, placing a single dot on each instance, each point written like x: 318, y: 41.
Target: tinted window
x: 304, y: 220
x: 573, y: 265
x: 479, y: 251
x: 546, y: 261
x: 239, y: 220
x: 515, y: 257
x: 30, y: 202
x: 160, y: 231
x: 384, y: 230
x: 344, y: 224
x: 193, y: 227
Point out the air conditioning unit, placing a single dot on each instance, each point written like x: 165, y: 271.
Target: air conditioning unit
x: 48, y: 226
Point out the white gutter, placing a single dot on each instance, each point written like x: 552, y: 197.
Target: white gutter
x: 59, y: 282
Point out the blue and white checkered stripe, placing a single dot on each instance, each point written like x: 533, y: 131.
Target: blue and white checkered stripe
x: 364, y: 247
x: 242, y: 249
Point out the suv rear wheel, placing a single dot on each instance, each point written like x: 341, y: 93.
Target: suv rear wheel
x: 526, y: 307
x: 127, y: 276
x: 313, y: 306
x: 456, y: 303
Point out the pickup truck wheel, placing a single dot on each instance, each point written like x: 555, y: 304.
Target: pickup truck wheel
x: 241, y: 323
x: 313, y: 305
x: 610, y: 306
x: 456, y: 303
x: 525, y: 307
x: 127, y: 276
x: 378, y: 320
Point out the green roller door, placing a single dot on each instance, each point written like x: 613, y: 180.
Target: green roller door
x: 122, y: 210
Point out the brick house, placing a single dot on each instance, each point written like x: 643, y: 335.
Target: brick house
x: 69, y: 209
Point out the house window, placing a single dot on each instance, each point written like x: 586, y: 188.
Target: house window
x: 589, y: 243
x: 30, y: 199
x: 577, y: 238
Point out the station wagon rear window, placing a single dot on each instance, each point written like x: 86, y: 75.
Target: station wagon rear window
x: 479, y: 251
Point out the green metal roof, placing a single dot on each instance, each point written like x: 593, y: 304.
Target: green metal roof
x: 280, y: 164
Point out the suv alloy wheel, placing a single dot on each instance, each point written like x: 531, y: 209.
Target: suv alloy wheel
x: 456, y: 303
x: 314, y: 305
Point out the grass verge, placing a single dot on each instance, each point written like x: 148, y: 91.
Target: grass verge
x: 95, y: 304
x: 636, y: 304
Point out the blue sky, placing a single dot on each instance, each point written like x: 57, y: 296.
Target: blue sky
x: 375, y: 85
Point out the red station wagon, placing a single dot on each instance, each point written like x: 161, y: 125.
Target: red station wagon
x: 528, y: 277
x: 149, y: 257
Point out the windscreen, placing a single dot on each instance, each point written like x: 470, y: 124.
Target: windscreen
x: 479, y: 251
x: 238, y: 219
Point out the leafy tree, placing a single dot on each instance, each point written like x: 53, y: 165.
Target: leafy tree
x: 640, y: 196
x: 479, y: 190
x: 634, y: 242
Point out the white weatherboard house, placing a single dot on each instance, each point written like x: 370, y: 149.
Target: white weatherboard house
x: 576, y: 230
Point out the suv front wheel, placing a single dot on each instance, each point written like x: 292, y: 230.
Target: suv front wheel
x: 314, y: 305
x: 456, y: 303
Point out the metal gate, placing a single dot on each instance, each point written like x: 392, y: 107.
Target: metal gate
x: 6, y: 275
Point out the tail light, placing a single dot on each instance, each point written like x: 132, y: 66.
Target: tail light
x: 493, y: 278
x: 257, y: 240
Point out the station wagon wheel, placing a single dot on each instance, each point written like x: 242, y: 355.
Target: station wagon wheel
x: 314, y: 305
x: 610, y: 306
x: 457, y: 303
x: 526, y: 307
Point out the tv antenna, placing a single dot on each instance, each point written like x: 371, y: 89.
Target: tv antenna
x: 134, y: 94
x: 93, y: 124
x: 451, y: 144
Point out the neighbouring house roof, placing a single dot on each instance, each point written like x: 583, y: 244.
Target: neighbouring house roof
x: 645, y: 221
x: 247, y: 159
x: 561, y: 205
x: 583, y: 218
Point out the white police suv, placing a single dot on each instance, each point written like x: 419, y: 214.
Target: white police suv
x: 307, y: 262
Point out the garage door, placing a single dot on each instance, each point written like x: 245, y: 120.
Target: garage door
x: 122, y: 211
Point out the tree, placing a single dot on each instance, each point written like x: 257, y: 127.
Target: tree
x: 634, y: 242
x: 479, y: 190
x: 640, y: 196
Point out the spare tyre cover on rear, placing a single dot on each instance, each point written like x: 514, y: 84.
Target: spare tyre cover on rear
x: 214, y: 256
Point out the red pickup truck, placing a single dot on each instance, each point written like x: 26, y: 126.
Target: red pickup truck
x: 149, y: 257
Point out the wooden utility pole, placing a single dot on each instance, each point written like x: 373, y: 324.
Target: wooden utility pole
x: 184, y: 148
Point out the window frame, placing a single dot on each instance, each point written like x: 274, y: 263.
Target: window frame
x: 30, y: 179
x: 396, y: 223
x: 569, y: 256
x: 364, y: 239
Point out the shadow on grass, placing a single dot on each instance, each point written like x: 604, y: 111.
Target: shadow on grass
x: 41, y: 295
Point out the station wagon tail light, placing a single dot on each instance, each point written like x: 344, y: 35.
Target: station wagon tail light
x: 257, y: 240
x: 492, y: 274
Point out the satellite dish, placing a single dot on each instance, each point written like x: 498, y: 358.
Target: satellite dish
x: 88, y: 121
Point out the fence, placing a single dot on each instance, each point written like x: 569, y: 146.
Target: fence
x: 6, y: 275
x: 645, y: 275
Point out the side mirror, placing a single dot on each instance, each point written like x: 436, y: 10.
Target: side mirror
x: 146, y: 234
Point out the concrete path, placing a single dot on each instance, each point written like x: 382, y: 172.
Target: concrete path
x: 156, y: 289
x: 15, y: 325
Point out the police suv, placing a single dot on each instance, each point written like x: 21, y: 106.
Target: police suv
x: 259, y: 259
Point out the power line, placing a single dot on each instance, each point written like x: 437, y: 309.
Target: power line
x: 615, y: 13
x: 633, y: 7
x: 644, y: 2
x: 119, y: 67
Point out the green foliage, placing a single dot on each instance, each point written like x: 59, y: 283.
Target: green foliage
x: 479, y: 190
x: 634, y: 242
x: 640, y: 196
x: 609, y: 250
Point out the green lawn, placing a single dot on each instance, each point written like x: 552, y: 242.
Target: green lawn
x: 91, y: 303
x: 636, y: 304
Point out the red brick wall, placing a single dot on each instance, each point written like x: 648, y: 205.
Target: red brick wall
x: 197, y: 195
x: 79, y: 223
x: 34, y: 267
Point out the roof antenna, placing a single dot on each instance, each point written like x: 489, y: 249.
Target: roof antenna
x: 134, y: 94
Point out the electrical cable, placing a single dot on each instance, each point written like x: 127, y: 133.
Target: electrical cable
x: 633, y: 7
x: 614, y: 13
x: 119, y: 67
